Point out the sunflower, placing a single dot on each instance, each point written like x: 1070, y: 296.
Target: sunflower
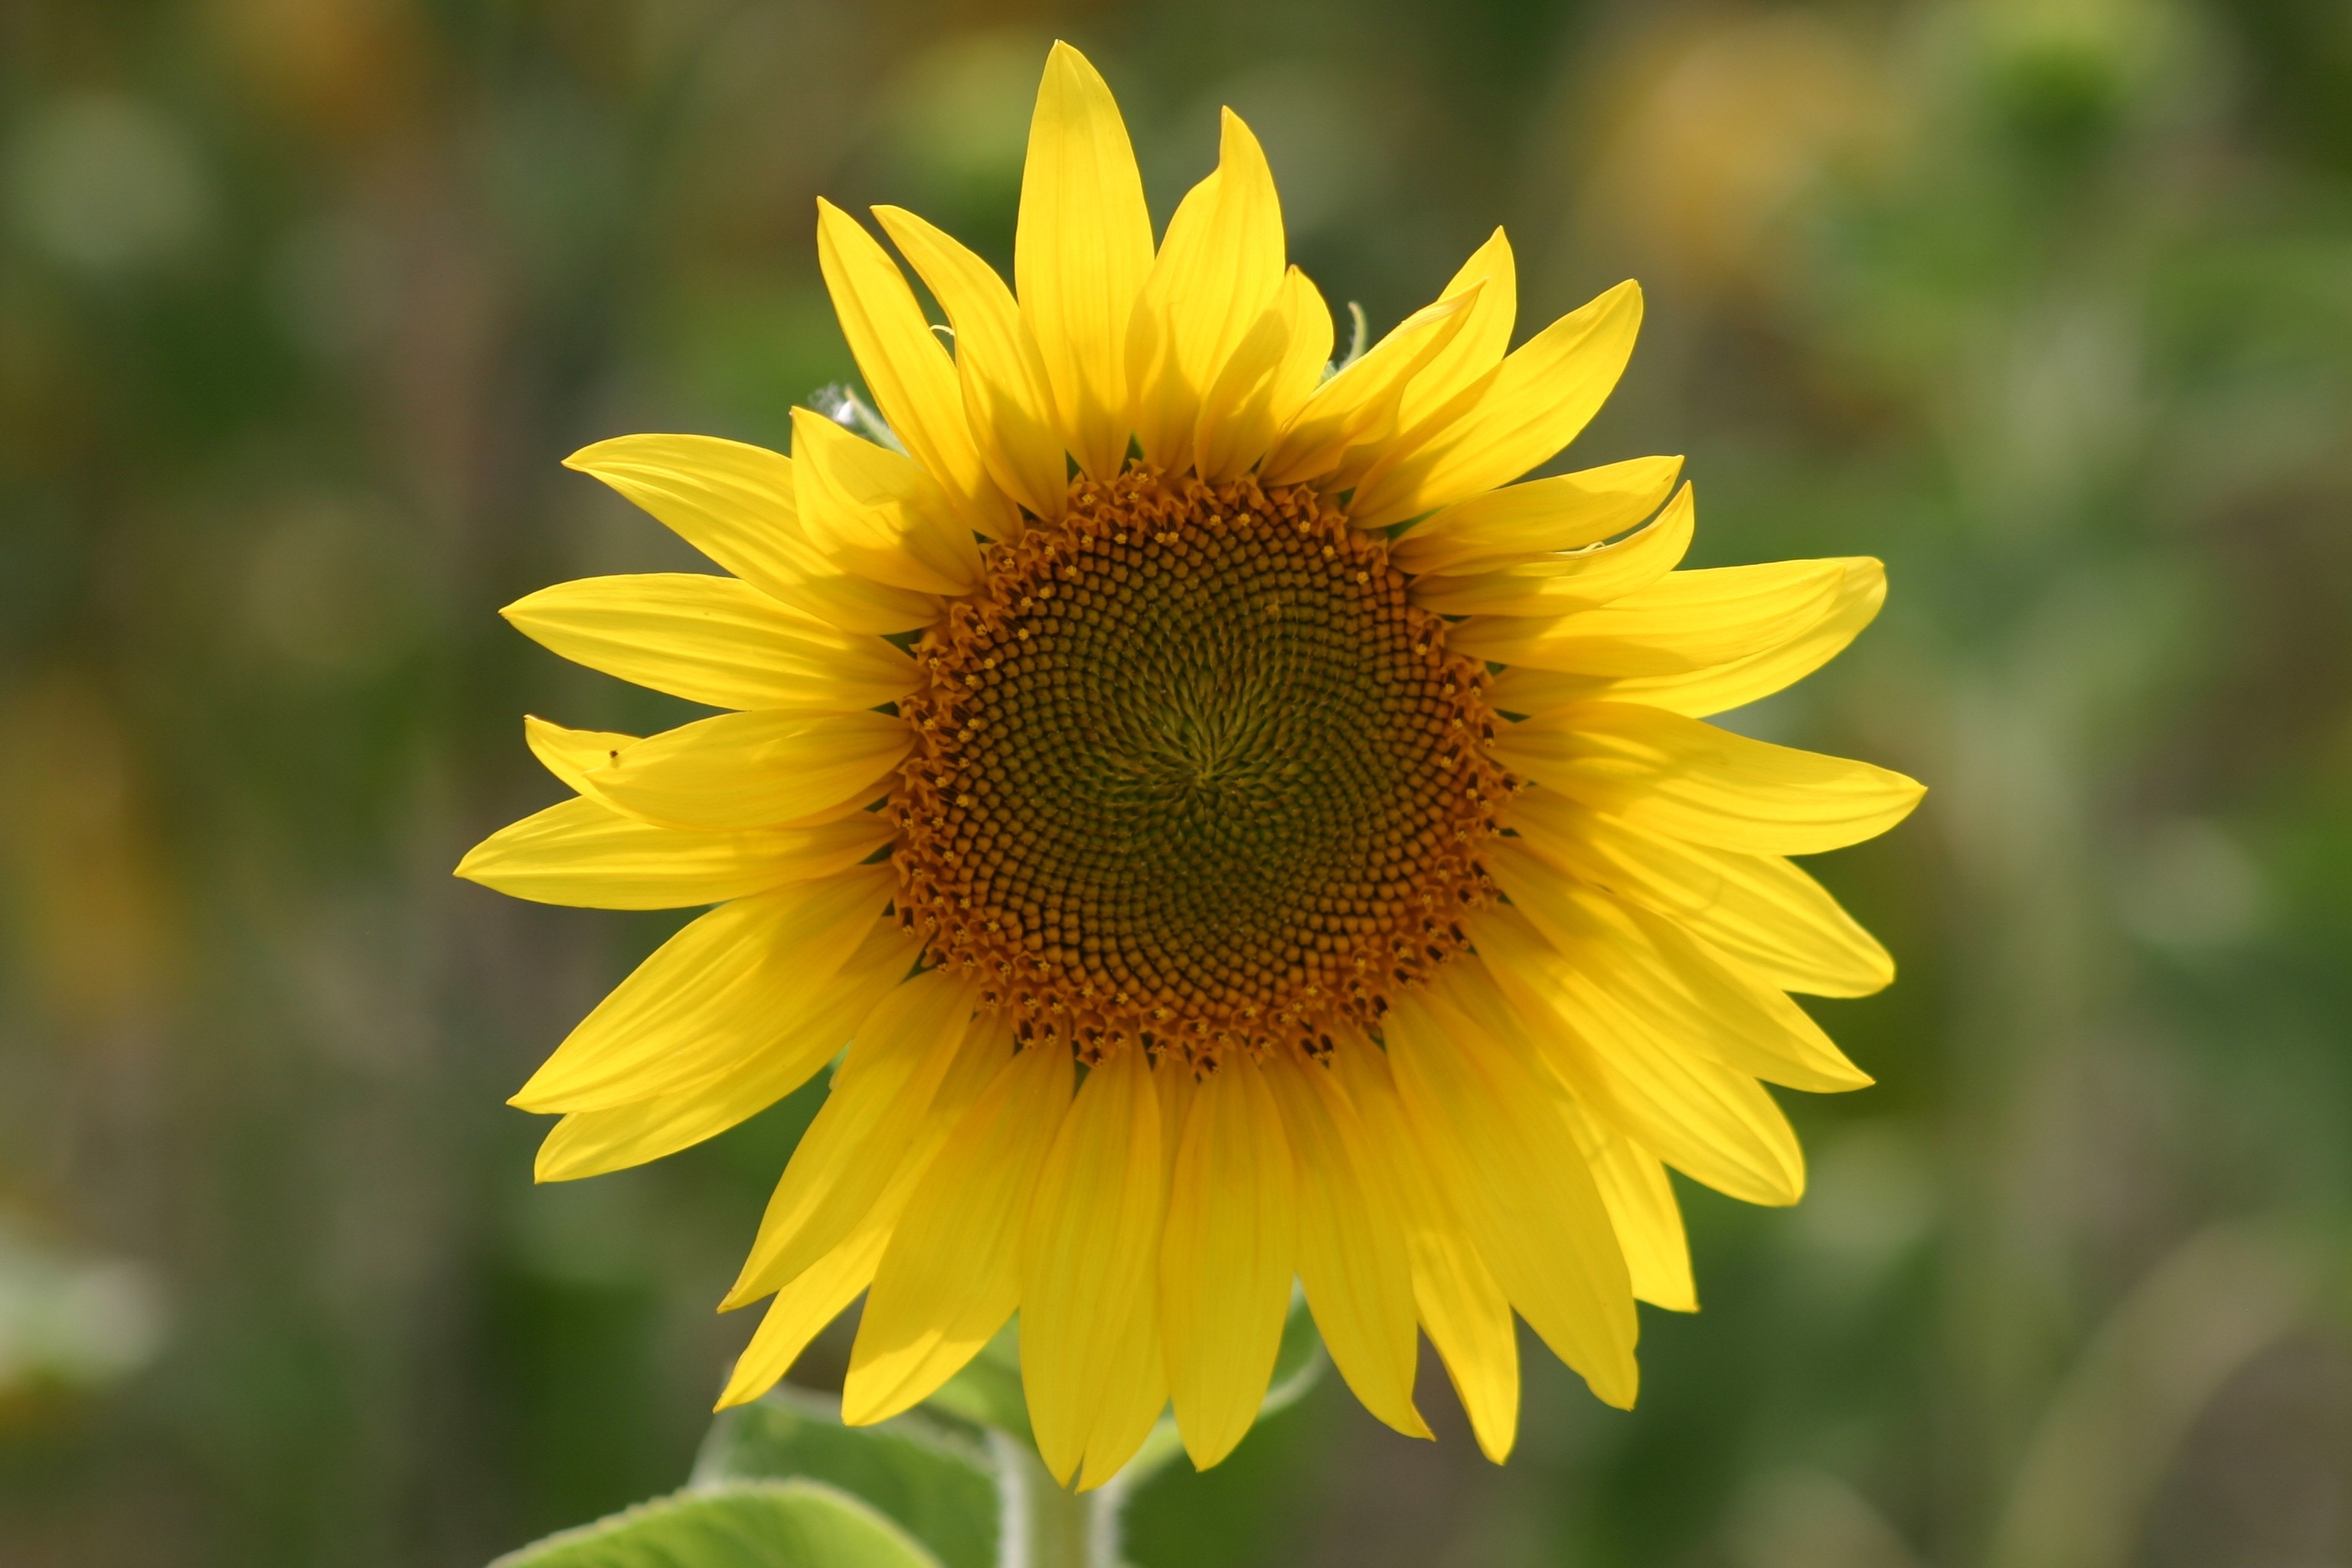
x: 1238, y: 835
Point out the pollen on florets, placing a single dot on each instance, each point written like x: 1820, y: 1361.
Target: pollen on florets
x: 1191, y: 774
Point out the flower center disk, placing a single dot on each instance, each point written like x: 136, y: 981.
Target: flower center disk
x: 1191, y: 771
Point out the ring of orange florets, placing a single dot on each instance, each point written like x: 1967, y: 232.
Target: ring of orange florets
x: 1191, y: 773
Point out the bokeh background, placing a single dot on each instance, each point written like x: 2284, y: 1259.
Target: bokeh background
x: 2047, y: 302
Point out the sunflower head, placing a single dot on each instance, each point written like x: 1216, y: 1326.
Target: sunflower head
x: 1239, y: 835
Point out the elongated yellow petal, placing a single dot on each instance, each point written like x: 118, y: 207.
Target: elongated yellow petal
x: 952, y: 1276
x: 570, y: 753
x: 1686, y: 621
x: 1351, y: 1252
x: 1089, y: 1254
x: 1135, y: 1395
x: 1219, y: 266
x: 1356, y: 409
x: 1492, y: 274
x: 714, y: 640
x: 591, y: 1142
x: 1080, y: 255
x: 1237, y: 419
x: 1530, y: 406
x: 1542, y: 517
x: 1135, y: 1388
x: 875, y: 1108
x: 1756, y: 909
x: 817, y: 1296
x: 1580, y: 580
x: 1226, y: 1258
x: 1721, y: 687
x: 907, y: 368
x: 1467, y: 1314
x: 1495, y: 1139
x: 724, y: 989
x: 1665, y: 773
x: 1712, y: 1122
x: 584, y: 854
x: 737, y: 504
x: 878, y: 512
x: 1006, y: 394
x: 1175, y: 1091
x: 802, y: 1310
x: 1655, y: 970
x: 1641, y: 1203
x: 750, y: 770
x: 1309, y: 353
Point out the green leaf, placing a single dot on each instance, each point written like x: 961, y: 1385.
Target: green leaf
x: 748, y: 1524
x: 937, y: 1482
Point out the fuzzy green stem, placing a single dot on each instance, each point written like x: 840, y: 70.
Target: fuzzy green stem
x: 1046, y: 1524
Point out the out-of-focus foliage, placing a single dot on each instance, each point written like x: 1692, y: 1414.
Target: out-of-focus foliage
x: 2047, y: 302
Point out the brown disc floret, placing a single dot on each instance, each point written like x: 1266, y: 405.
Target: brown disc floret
x: 1191, y: 772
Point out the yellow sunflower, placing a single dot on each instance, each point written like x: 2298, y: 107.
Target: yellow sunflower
x: 1238, y: 834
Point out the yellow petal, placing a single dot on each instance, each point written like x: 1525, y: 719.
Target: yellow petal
x: 1641, y: 1203
x: 592, y: 1142
x: 737, y: 505
x: 1687, y: 621
x: 1665, y: 773
x: 1495, y: 1138
x: 1237, y: 413
x: 1713, y: 1123
x: 952, y: 1276
x: 1652, y: 968
x: 1006, y: 395
x: 1539, y: 518
x: 1089, y: 1253
x: 1080, y: 255
x: 1478, y: 348
x: 585, y: 854
x: 872, y: 1112
x: 802, y: 1310
x: 906, y: 367
x: 728, y: 986
x: 1309, y: 353
x: 1136, y: 1391
x: 570, y: 753
x: 1529, y: 407
x: 1226, y: 1258
x: 1467, y: 1314
x: 714, y: 640
x: 879, y: 513
x: 1219, y: 266
x: 1759, y: 909
x: 1356, y: 409
x: 1175, y: 1091
x: 750, y: 770
x: 1722, y: 686
x: 1351, y: 1256
x: 817, y: 1296
x: 1579, y: 580
x: 1134, y: 1395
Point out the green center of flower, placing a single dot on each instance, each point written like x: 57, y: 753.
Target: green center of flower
x: 1192, y: 772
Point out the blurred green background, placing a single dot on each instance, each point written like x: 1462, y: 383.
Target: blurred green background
x: 2047, y: 302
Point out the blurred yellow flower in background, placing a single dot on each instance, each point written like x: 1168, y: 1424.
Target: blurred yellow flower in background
x: 1241, y: 835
